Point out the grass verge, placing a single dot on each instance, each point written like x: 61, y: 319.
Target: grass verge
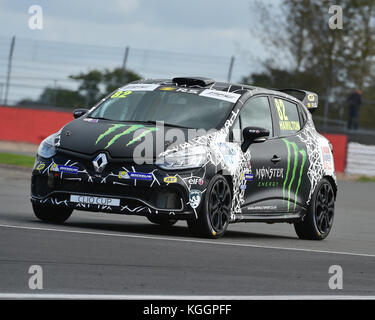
x: 367, y: 179
x: 17, y: 160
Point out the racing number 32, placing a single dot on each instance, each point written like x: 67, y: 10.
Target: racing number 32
x: 121, y: 94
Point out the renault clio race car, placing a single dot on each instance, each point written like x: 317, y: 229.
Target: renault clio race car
x: 207, y: 152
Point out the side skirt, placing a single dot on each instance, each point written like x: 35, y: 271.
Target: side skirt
x: 271, y: 218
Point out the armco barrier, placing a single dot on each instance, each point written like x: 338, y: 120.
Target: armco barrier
x: 30, y: 125
x: 361, y: 159
x: 339, y: 143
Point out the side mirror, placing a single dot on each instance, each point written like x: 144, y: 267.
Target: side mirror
x: 253, y: 135
x: 79, y: 113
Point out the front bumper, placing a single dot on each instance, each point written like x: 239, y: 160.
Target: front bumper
x: 159, y: 192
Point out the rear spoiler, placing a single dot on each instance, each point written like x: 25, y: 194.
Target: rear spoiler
x: 308, y: 99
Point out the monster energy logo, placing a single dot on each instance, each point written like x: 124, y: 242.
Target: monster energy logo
x: 292, y: 170
x: 116, y: 128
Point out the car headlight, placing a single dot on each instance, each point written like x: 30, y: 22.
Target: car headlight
x: 188, y: 158
x: 47, y: 147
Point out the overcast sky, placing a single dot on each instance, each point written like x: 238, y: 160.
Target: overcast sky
x: 196, y: 26
x: 208, y: 32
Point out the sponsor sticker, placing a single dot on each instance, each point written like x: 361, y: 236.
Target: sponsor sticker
x: 243, y: 186
x: 199, y: 181
x: 141, y: 87
x: 62, y: 168
x: 195, y: 197
x: 188, y: 90
x: 123, y: 175
x: 268, y: 184
x: 68, y: 169
x: 310, y: 97
x: 249, y: 176
x: 170, y: 179
x: 40, y: 166
x: 220, y: 95
x: 167, y: 88
x: 269, y: 173
x: 95, y: 200
x: 135, y: 175
x: 327, y: 158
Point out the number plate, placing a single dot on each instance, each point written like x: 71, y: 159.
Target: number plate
x: 95, y: 200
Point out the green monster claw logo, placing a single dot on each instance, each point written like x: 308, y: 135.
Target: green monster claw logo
x: 292, y: 146
x: 128, y: 130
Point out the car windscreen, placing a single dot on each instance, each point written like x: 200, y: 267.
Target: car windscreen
x: 174, y: 108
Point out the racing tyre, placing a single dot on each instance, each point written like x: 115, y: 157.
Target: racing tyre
x: 214, y: 216
x: 51, y: 214
x: 163, y: 221
x: 319, y: 218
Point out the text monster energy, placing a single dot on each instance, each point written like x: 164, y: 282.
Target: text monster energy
x: 116, y: 128
x: 292, y: 170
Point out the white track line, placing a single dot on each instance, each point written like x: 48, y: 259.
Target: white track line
x: 213, y: 242
x: 175, y: 297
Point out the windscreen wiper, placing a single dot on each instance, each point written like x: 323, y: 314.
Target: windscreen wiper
x: 139, y: 121
x: 100, y: 118
x: 154, y: 122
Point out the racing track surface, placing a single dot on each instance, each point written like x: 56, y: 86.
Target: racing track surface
x: 110, y: 254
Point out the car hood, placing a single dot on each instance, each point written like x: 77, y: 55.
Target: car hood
x: 119, y: 139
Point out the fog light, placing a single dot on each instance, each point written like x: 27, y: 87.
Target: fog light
x: 51, y: 180
x: 166, y: 199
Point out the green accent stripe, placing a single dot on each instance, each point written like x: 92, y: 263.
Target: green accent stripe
x: 125, y: 132
x: 295, y: 149
x: 144, y: 133
x: 303, y: 152
x: 109, y: 131
x: 287, y: 143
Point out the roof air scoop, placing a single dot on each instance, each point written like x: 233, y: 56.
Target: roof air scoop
x: 193, y: 81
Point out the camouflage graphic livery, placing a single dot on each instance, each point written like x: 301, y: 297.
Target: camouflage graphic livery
x: 270, y: 179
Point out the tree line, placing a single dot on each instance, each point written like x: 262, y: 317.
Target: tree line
x: 306, y: 53
x: 93, y: 86
x: 302, y: 51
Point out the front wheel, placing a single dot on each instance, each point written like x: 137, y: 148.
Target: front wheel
x: 51, y: 214
x: 214, y: 216
x: 319, y: 218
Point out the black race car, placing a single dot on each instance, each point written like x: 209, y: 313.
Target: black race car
x: 208, y: 152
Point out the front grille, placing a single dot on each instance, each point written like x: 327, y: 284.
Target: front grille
x: 158, y: 197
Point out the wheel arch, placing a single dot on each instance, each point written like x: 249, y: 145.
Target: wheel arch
x: 227, y: 177
x: 333, y: 184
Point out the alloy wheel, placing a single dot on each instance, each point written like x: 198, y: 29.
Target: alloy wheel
x: 324, y: 208
x: 220, y: 205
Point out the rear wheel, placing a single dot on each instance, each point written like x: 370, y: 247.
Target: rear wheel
x: 214, y: 216
x: 163, y: 221
x: 319, y: 218
x: 51, y: 214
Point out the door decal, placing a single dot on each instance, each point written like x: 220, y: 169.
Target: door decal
x: 293, y: 156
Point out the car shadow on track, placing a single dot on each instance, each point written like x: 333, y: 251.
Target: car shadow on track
x: 150, y: 229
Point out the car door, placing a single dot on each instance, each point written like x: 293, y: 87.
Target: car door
x: 263, y: 191
x: 292, y: 151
